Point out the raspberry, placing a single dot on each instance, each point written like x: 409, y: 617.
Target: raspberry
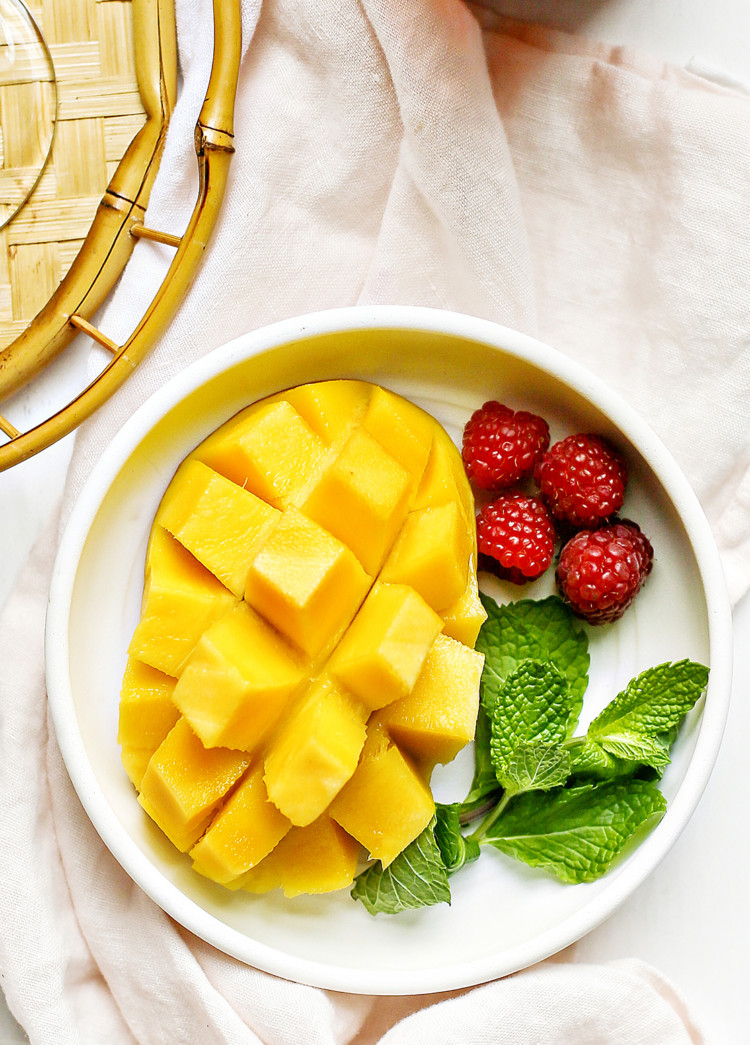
x: 501, y: 447
x: 600, y: 572
x: 516, y: 538
x: 582, y: 479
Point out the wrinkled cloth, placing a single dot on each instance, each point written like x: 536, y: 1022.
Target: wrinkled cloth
x: 427, y: 153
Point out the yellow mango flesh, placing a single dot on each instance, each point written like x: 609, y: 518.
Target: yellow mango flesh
x: 147, y: 711
x: 381, y: 655
x: 465, y: 617
x: 402, y: 429
x: 361, y: 498
x: 135, y: 761
x: 181, y: 599
x: 305, y: 582
x: 238, y: 680
x: 432, y: 554
x: 306, y: 568
x: 319, y: 858
x: 330, y: 408
x: 221, y: 523
x: 444, y: 479
x: 271, y: 451
x: 147, y: 714
x: 315, y: 752
x: 184, y: 783
x: 437, y: 718
x: 244, y: 831
x: 385, y: 804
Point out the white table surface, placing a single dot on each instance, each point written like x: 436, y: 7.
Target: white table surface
x: 691, y: 919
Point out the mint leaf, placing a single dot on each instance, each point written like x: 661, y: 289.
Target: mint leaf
x: 575, y: 832
x: 542, y: 630
x: 589, y: 759
x: 535, y: 767
x: 639, y: 748
x: 455, y: 849
x: 640, y: 723
x: 417, y: 877
x: 532, y: 709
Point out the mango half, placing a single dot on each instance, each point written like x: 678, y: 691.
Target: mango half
x: 304, y: 656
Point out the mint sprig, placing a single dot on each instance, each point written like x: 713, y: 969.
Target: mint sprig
x: 570, y: 804
x: 640, y: 723
x: 577, y: 832
x: 541, y: 630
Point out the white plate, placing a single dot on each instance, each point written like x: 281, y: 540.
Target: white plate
x: 504, y: 916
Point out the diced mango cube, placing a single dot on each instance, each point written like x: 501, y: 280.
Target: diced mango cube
x: 245, y: 829
x: 444, y: 479
x: 306, y: 582
x: 269, y: 450
x: 222, y: 524
x: 402, y: 429
x: 184, y: 783
x: 438, y: 717
x: 319, y: 858
x: 381, y: 655
x: 314, y: 753
x: 465, y: 617
x: 432, y: 554
x: 361, y: 498
x: 238, y: 680
x: 147, y: 711
x: 181, y: 599
x: 134, y: 761
x: 385, y: 804
x: 331, y: 408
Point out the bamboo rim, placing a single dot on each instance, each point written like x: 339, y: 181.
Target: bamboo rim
x: 118, y: 225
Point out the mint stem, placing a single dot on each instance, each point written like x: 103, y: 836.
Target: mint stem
x: 470, y: 815
x: 494, y: 815
x: 573, y: 742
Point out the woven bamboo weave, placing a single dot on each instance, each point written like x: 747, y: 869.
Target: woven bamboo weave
x: 99, y: 111
x: 118, y: 220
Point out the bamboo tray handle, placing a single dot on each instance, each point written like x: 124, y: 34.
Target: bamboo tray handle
x: 119, y: 223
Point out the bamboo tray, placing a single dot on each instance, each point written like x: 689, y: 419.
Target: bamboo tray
x: 84, y: 240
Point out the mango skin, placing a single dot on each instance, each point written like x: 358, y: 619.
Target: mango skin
x: 314, y: 562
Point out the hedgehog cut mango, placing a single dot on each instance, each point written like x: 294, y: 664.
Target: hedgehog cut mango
x: 304, y: 656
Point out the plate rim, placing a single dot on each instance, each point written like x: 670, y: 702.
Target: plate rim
x: 144, y: 872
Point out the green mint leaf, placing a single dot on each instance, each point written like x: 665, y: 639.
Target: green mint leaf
x: 417, y: 877
x: 535, y: 767
x: 575, y: 832
x: 543, y: 630
x: 531, y: 709
x: 533, y: 629
x: 639, y: 748
x: 640, y: 723
x: 589, y: 759
x: 455, y: 849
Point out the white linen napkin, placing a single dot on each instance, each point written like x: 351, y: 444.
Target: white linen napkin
x: 434, y: 154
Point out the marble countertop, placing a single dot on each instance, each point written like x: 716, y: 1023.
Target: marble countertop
x: 691, y: 918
